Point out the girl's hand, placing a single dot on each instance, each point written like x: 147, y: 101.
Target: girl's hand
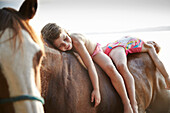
x: 95, y: 95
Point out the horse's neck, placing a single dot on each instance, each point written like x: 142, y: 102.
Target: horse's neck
x: 12, y: 62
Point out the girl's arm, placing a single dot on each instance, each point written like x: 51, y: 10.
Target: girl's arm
x: 84, y: 54
x: 158, y: 63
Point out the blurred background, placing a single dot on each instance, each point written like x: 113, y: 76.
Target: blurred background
x: 104, y: 21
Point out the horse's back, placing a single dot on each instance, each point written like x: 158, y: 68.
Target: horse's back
x: 152, y: 96
x: 63, y: 84
x: 67, y: 87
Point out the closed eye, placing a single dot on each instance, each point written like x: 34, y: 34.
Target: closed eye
x: 61, y: 45
x: 66, y: 38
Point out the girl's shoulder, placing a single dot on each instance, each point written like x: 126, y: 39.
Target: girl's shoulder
x: 77, y: 37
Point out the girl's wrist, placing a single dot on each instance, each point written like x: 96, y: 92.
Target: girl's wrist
x: 96, y: 89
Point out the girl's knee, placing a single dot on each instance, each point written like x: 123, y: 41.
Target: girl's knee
x: 110, y: 68
x: 121, y: 66
x: 129, y: 78
x: 113, y: 73
x: 124, y: 71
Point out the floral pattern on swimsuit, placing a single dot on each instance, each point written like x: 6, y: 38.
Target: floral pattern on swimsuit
x: 130, y: 44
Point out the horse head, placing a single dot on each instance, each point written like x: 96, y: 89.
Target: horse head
x: 21, y: 52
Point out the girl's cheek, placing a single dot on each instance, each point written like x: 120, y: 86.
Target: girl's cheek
x: 62, y: 49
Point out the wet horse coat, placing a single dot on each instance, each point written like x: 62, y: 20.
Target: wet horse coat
x: 20, y: 56
x: 66, y: 85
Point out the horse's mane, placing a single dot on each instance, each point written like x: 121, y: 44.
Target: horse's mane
x: 10, y: 18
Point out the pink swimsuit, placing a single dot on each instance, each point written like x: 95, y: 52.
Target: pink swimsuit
x: 97, y: 50
x: 130, y: 44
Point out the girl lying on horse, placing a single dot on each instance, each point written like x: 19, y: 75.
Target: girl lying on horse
x: 89, y: 52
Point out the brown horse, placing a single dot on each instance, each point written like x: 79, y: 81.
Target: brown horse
x: 66, y: 86
x: 20, y: 57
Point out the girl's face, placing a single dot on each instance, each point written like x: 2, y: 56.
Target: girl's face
x: 64, y: 42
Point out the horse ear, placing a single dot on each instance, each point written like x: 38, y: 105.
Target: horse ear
x: 28, y: 9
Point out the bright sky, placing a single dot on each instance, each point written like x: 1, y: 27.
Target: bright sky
x: 91, y: 16
x: 107, y: 20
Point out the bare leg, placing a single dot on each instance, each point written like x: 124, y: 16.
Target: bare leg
x: 120, y: 59
x: 117, y: 81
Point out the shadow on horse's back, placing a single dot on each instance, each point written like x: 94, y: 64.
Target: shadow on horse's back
x: 20, y: 57
x: 66, y: 85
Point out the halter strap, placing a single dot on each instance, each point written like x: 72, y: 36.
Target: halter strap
x: 22, y: 97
